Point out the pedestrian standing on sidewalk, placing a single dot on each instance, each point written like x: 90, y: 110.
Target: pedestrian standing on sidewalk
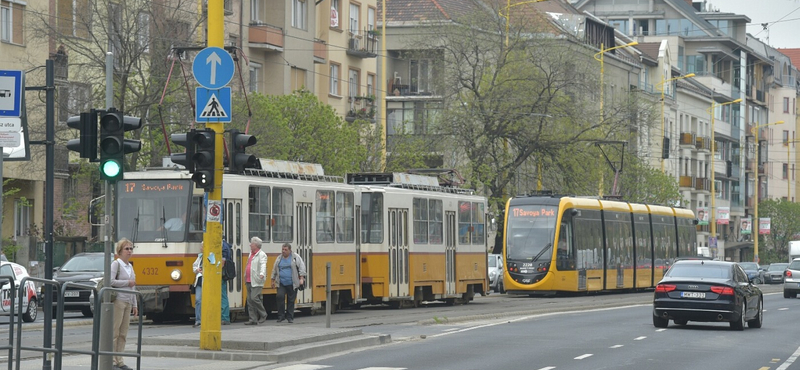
x: 227, y: 255
x: 288, y: 274
x: 255, y: 277
x: 122, y: 276
x: 197, y: 268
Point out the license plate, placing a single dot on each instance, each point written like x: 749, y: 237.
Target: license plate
x: 693, y: 295
x: 74, y: 293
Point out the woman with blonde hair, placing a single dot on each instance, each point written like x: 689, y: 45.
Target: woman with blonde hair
x: 122, y: 276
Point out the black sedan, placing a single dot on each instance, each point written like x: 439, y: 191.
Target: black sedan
x: 708, y: 291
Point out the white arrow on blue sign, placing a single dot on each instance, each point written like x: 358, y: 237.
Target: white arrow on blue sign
x: 213, y: 67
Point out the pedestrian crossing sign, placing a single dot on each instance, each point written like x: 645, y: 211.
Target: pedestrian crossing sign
x: 213, y: 105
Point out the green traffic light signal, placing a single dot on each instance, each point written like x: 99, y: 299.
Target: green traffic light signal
x: 111, y: 169
x: 111, y: 143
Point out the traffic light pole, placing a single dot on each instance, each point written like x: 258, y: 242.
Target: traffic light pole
x: 210, y: 333
x: 107, y: 316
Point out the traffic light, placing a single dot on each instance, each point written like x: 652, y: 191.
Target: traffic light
x: 86, y: 144
x: 239, y: 160
x: 204, y: 159
x: 665, y: 148
x: 186, y: 140
x: 113, y: 145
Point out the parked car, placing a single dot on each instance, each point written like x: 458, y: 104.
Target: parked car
x: 81, y: 269
x: 30, y: 300
x: 753, y: 271
x: 707, y: 291
x: 791, y: 279
x: 774, y: 273
x: 495, y: 267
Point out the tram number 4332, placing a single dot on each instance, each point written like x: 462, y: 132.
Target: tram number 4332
x: 150, y: 271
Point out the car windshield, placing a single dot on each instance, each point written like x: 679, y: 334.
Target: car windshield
x: 749, y: 265
x: 795, y: 265
x: 85, y: 262
x: 492, y: 262
x: 777, y: 267
x: 700, y: 271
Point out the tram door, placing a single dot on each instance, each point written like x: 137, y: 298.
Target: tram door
x: 358, y: 254
x: 398, y: 252
x: 450, y: 254
x: 232, y: 233
x: 303, y: 248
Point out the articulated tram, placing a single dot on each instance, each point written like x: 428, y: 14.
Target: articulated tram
x: 571, y: 244
x: 396, y: 239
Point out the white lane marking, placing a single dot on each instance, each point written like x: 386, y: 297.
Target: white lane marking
x: 616, y: 346
x: 660, y: 329
x: 639, y: 338
x: 302, y: 367
x: 383, y: 368
x: 548, y: 368
x: 581, y: 357
x: 782, y: 309
x: 790, y: 360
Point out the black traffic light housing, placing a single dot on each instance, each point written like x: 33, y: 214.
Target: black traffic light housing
x: 204, y: 159
x: 113, y: 145
x: 665, y: 148
x: 239, y: 160
x: 86, y: 144
x: 186, y: 140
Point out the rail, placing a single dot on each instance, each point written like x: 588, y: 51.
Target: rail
x: 20, y: 347
x: 60, y: 329
x: 96, y: 328
x: 10, y: 345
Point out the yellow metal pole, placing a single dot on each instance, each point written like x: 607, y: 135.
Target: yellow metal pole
x: 384, y: 123
x: 210, y: 333
x: 713, y: 213
x: 755, y: 225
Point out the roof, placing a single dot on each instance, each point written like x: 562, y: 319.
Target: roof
x: 426, y: 10
x: 649, y: 49
x: 793, y: 54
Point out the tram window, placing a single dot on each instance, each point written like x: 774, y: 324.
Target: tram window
x: 478, y: 234
x: 196, y: 220
x: 464, y: 222
x: 345, y: 217
x: 420, y: 221
x: 282, y: 211
x: 259, y: 219
x: 372, y: 218
x: 325, y: 216
x: 435, y: 225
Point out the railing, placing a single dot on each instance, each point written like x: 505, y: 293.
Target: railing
x: 702, y: 183
x: 703, y: 143
x: 686, y: 182
x: 262, y: 33
x: 363, y: 45
x: 687, y: 138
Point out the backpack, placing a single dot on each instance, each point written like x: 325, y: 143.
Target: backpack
x: 229, y: 270
x: 113, y: 293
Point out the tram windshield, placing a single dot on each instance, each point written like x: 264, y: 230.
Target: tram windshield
x: 530, y: 232
x: 158, y: 211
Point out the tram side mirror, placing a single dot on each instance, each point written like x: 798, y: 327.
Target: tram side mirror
x: 97, y: 210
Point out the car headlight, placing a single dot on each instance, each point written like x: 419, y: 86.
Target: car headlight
x: 175, y: 275
x: 492, y: 274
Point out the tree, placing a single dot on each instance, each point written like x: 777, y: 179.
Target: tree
x: 784, y: 226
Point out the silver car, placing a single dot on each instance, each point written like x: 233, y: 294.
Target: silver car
x: 774, y: 273
x: 791, y: 279
x: 495, y: 267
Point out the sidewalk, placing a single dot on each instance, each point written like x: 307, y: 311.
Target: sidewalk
x: 243, y: 348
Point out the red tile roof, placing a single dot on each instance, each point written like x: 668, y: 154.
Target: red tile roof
x: 793, y: 54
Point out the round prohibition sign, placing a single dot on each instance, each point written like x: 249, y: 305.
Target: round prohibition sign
x: 214, y: 210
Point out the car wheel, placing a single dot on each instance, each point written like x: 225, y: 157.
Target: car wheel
x: 87, y: 312
x: 738, y: 324
x: 786, y: 294
x: 759, y: 319
x: 681, y: 322
x: 660, y: 322
x: 32, y: 312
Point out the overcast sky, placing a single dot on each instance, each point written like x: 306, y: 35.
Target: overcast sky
x: 783, y: 17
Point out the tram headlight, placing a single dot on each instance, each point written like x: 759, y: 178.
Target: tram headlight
x: 175, y: 275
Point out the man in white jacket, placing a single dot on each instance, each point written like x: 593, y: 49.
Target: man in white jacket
x: 255, y: 276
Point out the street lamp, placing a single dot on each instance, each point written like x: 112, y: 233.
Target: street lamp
x: 662, y: 85
x: 754, y: 130
x: 713, y: 220
x: 508, y: 15
x: 601, y: 59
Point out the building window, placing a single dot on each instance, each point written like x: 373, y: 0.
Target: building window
x: 22, y: 217
x: 72, y: 100
x: 371, y: 19
x: 786, y: 105
x: 299, y: 10
x: 255, y: 76
x: 785, y: 171
x: 786, y: 137
x: 371, y: 84
x: 336, y: 11
x: 144, y: 32
x: 11, y: 22
x: 352, y: 79
x: 421, y: 70
x: 255, y: 11
x: 298, y: 79
x: 334, y: 78
x: 354, y: 17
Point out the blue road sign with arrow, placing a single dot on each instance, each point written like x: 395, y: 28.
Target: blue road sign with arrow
x: 213, y: 67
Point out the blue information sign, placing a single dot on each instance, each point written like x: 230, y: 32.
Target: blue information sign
x: 213, y: 105
x: 213, y: 67
x: 10, y: 93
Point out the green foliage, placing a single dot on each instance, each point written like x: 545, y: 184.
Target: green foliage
x: 784, y: 225
x: 644, y: 184
x: 10, y: 249
x: 298, y: 127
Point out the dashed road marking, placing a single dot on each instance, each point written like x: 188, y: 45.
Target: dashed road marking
x: 783, y: 309
x: 548, y: 368
x: 616, y: 346
x: 581, y: 357
x: 302, y: 367
x: 657, y: 330
x: 639, y: 338
x: 785, y: 365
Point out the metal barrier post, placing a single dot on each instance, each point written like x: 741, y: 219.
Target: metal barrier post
x: 10, y: 345
x: 22, y: 285
x: 60, y: 328
x: 138, y: 353
x: 328, y: 295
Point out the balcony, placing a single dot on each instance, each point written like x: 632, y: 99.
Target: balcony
x: 686, y: 182
x: 363, y: 45
x: 763, y: 170
x: 265, y: 36
x: 701, y: 183
x: 687, y: 138
x: 320, y: 51
x: 703, y: 143
x: 361, y: 107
